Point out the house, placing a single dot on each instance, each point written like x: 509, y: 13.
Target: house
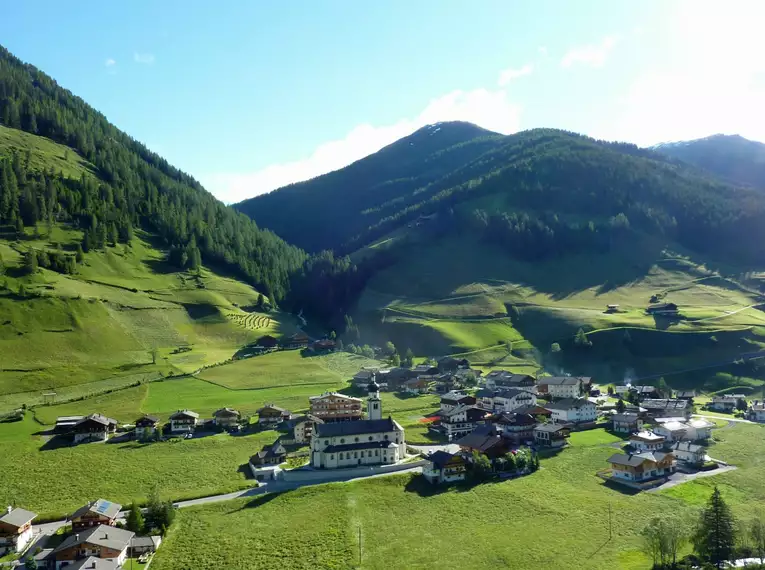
x: 621, y: 391
x: 509, y: 399
x: 394, y: 378
x: 486, y: 440
x: 105, y: 542
x: 563, y: 386
x: 333, y: 407
x: 626, y: 423
x: 450, y: 364
x: 573, y: 410
x: 146, y: 427
x: 462, y: 374
x: 688, y: 452
x: 647, y: 441
x: 505, y: 378
x: 364, y: 376
x: 417, y: 385
x: 756, y: 412
x: 699, y: 429
x: 514, y: 426
x: 725, y: 403
x: 323, y: 345
x: 92, y: 563
x: 296, y: 341
x: 373, y: 441
x: 226, y: 418
x: 672, y: 430
x: 97, y: 513
x: 612, y: 308
x: 94, y: 427
x: 657, y: 408
x: 640, y: 467
x: 273, y: 454
x: 685, y: 395
x: 267, y: 341
x: 15, y: 530
x: 647, y: 392
x: 536, y: 410
x: 64, y: 424
x: 303, y: 427
x: 452, y: 399
x: 551, y: 435
x: 141, y: 545
x: 659, y: 308
x: 459, y: 421
x: 271, y: 415
x: 425, y: 370
x: 183, y: 421
x: 443, y: 467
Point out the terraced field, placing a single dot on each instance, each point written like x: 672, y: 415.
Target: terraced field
x: 250, y: 321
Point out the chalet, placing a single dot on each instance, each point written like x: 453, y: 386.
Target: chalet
x: 699, y: 429
x: 443, y: 467
x: 364, y: 376
x: 64, y: 424
x: 756, y: 412
x: 15, y: 530
x: 506, y: 379
x: 536, y: 411
x: 267, y: 341
x: 509, y: 399
x: 303, y: 427
x: 646, y: 441
x: 672, y: 430
x: 417, y: 385
x: 183, y: 421
x: 271, y: 415
x: 141, y: 545
x: 94, y: 427
x: 612, y: 308
x: 461, y: 374
x: 296, y: 341
x: 641, y: 467
x: 725, y: 403
x: 685, y: 395
x: 573, y: 410
x: 647, y: 392
x: 657, y: 408
x: 104, y: 542
x: 689, y: 453
x: 551, y: 435
x: 273, y: 454
x: 425, y: 370
x: 146, y: 427
x: 485, y: 440
x: 90, y: 563
x: 518, y: 428
x: 661, y: 308
x: 626, y: 423
x: 333, y: 407
x: 226, y: 418
x: 97, y: 513
x: 323, y: 345
x: 459, y: 421
x: 453, y: 399
x: 563, y: 386
x: 450, y: 364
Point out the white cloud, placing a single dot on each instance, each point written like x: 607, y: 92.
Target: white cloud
x: 147, y: 58
x: 490, y: 109
x: 590, y: 55
x: 110, y: 63
x: 542, y: 50
x: 507, y: 75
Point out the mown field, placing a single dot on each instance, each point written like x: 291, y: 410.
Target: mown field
x: 555, y: 518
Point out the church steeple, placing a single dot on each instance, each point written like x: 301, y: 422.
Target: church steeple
x: 374, y: 404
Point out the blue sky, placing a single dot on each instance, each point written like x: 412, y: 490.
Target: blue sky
x: 248, y: 96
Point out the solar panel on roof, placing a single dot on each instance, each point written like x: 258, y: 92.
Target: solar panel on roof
x: 103, y: 507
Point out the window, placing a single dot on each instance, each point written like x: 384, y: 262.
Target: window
x: 356, y: 440
x: 326, y: 442
x: 369, y: 453
x: 385, y: 437
x: 342, y: 440
x: 377, y: 452
x: 370, y: 438
x: 340, y: 456
x: 332, y: 456
x: 356, y: 454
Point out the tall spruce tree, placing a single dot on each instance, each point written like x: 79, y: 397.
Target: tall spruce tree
x: 715, y: 536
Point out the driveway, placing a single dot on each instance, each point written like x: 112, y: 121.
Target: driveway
x: 734, y: 420
x: 680, y: 478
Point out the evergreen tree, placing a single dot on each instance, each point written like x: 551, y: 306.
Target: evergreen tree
x: 620, y: 406
x: 581, y: 339
x: 30, y: 262
x: 79, y: 254
x: 714, y: 539
x: 135, y: 522
x: 260, y: 302
x: 395, y: 360
x: 408, y: 358
x: 663, y: 388
x: 2, y: 266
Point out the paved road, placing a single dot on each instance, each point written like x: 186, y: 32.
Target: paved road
x: 734, y: 420
x: 680, y: 478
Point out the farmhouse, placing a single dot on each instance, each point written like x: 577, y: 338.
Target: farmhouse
x: 658, y: 308
x: 574, y: 410
x: 641, y: 467
x: 506, y: 379
x: 450, y: 364
x: 725, y: 403
x: 485, y: 440
x: 296, y: 341
x: 273, y: 454
x: 303, y: 427
x: 564, y: 386
x: 64, y: 424
x: 94, y: 427
x: 443, y: 467
x: 226, y: 417
x: 183, y: 421
x: 647, y: 392
x: 91, y: 563
x: 626, y: 423
x: 646, y: 441
x: 756, y: 412
x: 271, y: 414
x: 514, y: 426
x: 551, y: 435
x: 459, y: 421
x: 688, y: 452
x: 323, y: 345
x: 15, y: 529
x: 146, y: 427
x: 452, y: 399
x: 657, y: 408
x: 267, y: 341
x: 359, y: 442
x: 105, y: 542
x: 332, y: 406
x: 685, y: 394
x: 364, y: 376
x: 417, y: 385
x: 100, y: 512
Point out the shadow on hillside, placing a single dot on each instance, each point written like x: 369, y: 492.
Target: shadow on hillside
x: 160, y: 266
x: 420, y: 486
x: 663, y: 321
x: 261, y: 500
x: 58, y: 441
x: 623, y: 489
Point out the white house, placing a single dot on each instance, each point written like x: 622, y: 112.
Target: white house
x: 105, y: 542
x: 672, y: 430
x: 452, y: 399
x: 373, y: 441
x: 689, y: 452
x: 226, y: 417
x: 699, y: 429
x: 460, y: 421
x: 647, y: 441
x: 756, y: 411
x: 15, y: 529
x: 563, y: 386
x: 183, y: 421
x: 574, y: 410
x: 726, y: 403
x: 507, y: 400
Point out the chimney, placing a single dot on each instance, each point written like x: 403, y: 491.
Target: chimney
x: 77, y: 537
x: 9, y: 509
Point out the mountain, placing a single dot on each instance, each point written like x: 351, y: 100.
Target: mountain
x: 327, y: 211
x: 731, y: 157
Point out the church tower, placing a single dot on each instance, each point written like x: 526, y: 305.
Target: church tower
x: 374, y: 405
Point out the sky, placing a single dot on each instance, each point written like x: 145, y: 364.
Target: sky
x: 249, y: 96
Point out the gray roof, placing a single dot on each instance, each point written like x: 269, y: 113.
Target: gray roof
x: 440, y: 458
x: 357, y: 446
x: 93, y: 563
x: 101, y: 535
x: 184, y: 414
x: 98, y: 418
x: 226, y: 412
x: 18, y: 517
x: 664, y: 404
x: 101, y: 506
x: 568, y: 404
x: 625, y: 418
x: 356, y: 427
x: 637, y: 459
x: 551, y: 428
x: 562, y: 380
x: 687, y: 446
x: 512, y: 393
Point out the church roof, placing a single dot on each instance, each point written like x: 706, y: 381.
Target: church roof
x: 355, y: 427
x: 357, y: 446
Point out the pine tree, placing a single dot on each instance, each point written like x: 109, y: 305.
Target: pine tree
x: 714, y: 539
x: 30, y: 262
x: 135, y: 522
x: 79, y: 255
x: 581, y: 339
x: 408, y: 358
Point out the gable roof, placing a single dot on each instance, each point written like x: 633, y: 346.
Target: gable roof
x: 93, y: 563
x: 513, y: 419
x: 147, y: 419
x: 551, y: 428
x: 97, y: 418
x: 307, y: 418
x: 664, y: 404
x: 441, y: 458
x: 356, y: 427
x: 481, y: 440
x: 533, y: 409
x: 101, y: 535
x: 455, y: 397
x: 569, y: 404
x: 18, y: 517
x: 637, y: 459
x: 184, y: 414
x: 625, y: 418
x: 562, y: 380
x: 333, y: 395
x: 510, y: 393
x: 226, y: 412
x: 101, y: 506
x: 687, y: 446
x: 268, y: 407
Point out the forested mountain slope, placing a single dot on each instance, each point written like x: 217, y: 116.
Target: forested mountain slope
x: 730, y: 157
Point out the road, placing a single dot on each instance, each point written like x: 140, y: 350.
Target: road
x: 680, y: 478
x: 734, y: 420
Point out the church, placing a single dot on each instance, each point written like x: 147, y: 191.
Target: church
x: 374, y: 441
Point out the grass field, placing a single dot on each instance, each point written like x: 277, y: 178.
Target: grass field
x: 555, y: 518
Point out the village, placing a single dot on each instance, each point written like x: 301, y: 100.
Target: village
x: 496, y: 425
